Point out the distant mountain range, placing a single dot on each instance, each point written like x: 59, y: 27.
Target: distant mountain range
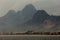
x: 29, y: 19
x: 41, y: 21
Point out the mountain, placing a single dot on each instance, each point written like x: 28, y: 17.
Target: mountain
x: 29, y: 10
x: 54, y: 18
x: 42, y: 21
x: 40, y: 16
x: 29, y: 19
x: 27, y: 13
x: 52, y: 23
x: 12, y: 20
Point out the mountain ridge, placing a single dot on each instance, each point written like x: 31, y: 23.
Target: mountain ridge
x: 28, y: 19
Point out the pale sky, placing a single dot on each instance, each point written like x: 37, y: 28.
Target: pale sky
x: 51, y: 6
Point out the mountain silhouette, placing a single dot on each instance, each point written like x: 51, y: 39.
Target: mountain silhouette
x: 40, y: 16
x: 29, y: 10
x: 13, y: 20
x: 29, y: 19
x: 26, y: 14
x: 42, y: 21
x: 54, y: 18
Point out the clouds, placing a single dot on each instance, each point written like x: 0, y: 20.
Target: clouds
x: 5, y: 5
x: 51, y: 6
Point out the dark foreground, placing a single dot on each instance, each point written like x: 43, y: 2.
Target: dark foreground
x: 29, y: 37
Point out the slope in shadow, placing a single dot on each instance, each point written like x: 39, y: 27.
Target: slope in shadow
x: 27, y: 19
x: 13, y: 20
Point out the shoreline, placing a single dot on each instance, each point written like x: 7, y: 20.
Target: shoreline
x: 29, y: 35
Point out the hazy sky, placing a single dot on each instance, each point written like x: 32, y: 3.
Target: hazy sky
x: 51, y: 6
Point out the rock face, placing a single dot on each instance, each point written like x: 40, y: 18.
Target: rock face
x: 29, y: 19
x: 40, y: 16
x: 54, y: 18
x: 42, y: 21
x: 13, y: 20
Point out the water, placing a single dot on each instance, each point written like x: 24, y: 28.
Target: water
x: 19, y: 37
